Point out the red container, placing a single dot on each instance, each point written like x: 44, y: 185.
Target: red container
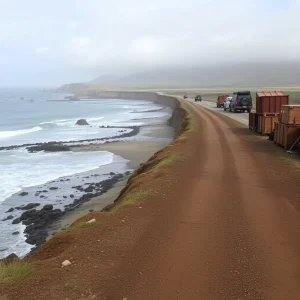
x: 253, y: 120
x: 270, y: 102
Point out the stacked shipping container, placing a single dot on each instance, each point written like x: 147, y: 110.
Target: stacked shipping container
x: 268, y: 107
x: 274, y: 114
x: 287, y: 130
x: 269, y: 103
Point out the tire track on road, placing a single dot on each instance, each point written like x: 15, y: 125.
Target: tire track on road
x: 241, y: 275
x: 273, y: 222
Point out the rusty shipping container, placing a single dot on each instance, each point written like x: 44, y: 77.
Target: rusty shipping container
x: 290, y: 114
x: 253, y: 120
x: 266, y: 124
x: 286, y: 135
x: 270, y: 102
x: 290, y: 135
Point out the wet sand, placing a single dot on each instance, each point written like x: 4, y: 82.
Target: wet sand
x: 137, y: 152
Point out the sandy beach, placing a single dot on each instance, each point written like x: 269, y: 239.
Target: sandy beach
x: 136, y: 152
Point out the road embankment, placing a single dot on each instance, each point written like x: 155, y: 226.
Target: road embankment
x: 140, y: 186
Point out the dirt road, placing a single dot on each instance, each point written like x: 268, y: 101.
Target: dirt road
x: 225, y: 224
x: 241, y: 117
x: 229, y: 231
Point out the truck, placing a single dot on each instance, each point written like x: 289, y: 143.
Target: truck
x: 221, y: 99
x: 198, y: 98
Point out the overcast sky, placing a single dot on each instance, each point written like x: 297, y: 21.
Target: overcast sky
x: 46, y: 43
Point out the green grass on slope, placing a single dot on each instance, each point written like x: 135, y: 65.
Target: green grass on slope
x: 14, y: 271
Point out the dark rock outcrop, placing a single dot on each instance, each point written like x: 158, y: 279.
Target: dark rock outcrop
x: 10, y: 210
x: 82, y: 122
x: 28, y: 206
x: 72, y: 98
x: 89, y: 189
x: 10, y: 217
x: 48, y: 147
x: 60, y: 146
x: 48, y: 207
x: 16, y: 221
x: 37, y: 222
x: 9, y: 259
x: 23, y: 194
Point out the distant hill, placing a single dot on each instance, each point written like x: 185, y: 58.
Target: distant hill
x: 73, y: 87
x: 103, y: 79
x: 250, y: 74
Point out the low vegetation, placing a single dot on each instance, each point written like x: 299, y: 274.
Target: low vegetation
x: 168, y: 161
x: 191, y: 125
x: 84, y: 225
x: 14, y: 271
x: 132, y: 199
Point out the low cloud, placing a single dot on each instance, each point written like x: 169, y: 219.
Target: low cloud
x: 93, y: 36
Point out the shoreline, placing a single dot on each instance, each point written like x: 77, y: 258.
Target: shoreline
x: 136, y: 152
x: 136, y: 155
x: 159, y: 134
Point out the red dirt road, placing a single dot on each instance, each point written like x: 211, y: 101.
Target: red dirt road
x: 227, y: 234
x: 224, y: 225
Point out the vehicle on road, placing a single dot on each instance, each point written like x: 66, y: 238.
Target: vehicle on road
x: 185, y: 97
x: 241, y: 101
x: 221, y: 99
x: 227, y: 103
x: 198, y: 98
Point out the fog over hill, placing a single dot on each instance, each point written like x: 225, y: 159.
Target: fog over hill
x: 247, y: 74
x: 149, y: 43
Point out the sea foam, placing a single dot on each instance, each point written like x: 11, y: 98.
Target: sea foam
x: 11, y: 133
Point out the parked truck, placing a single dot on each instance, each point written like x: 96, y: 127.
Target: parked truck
x: 221, y: 99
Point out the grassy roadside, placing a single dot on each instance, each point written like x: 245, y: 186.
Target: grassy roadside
x: 14, y: 271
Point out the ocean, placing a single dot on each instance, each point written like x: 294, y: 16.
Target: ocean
x: 30, y: 116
